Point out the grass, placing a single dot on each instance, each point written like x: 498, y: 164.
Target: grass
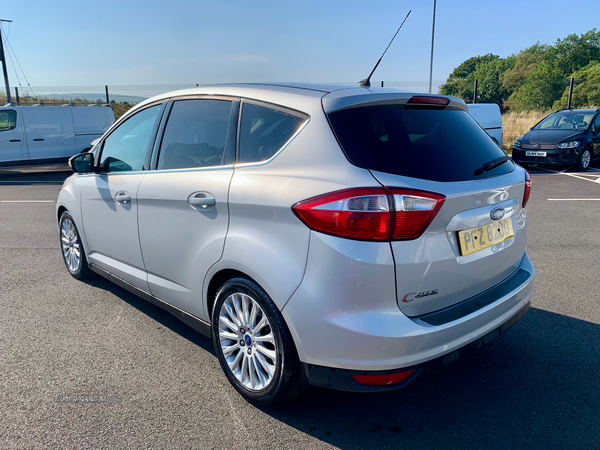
x: 515, y: 124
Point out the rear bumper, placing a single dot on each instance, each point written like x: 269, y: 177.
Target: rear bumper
x: 341, y: 379
x: 553, y: 157
x: 347, y: 321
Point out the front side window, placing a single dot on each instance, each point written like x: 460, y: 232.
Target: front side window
x: 596, y: 127
x: 264, y: 131
x: 8, y: 120
x: 195, y: 135
x: 125, y: 149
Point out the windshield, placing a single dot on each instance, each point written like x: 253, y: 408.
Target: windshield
x: 438, y: 145
x: 565, y: 121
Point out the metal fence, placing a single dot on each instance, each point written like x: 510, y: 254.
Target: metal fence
x: 134, y: 94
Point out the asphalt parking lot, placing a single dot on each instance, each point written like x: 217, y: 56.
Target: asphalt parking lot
x: 88, y: 365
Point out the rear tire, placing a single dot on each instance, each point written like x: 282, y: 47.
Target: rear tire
x: 254, y: 345
x: 72, y: 249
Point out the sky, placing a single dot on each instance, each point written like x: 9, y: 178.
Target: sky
x: 140, y: 42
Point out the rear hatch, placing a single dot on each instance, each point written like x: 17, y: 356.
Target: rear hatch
x: 446, y: 172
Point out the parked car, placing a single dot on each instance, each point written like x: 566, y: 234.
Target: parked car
x: 562, y: 138
x: 328, y: 235
x: 489, y: 117
x: 49, y: 134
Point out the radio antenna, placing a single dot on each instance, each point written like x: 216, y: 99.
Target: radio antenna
x: 367, y: 81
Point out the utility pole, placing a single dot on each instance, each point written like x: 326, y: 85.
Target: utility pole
x: 3, y: 59
x: 432, y: 36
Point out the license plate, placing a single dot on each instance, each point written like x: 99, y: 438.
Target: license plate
x: 535, y: 153
x: 478, y: 238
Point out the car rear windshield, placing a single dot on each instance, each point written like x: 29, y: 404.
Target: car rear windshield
x: 438, y: 145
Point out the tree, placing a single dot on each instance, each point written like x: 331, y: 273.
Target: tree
x: 539, y: 91
x: 490, y: 88
x: 575, y: 52
x: 460, y: 81
x: 586, y: 92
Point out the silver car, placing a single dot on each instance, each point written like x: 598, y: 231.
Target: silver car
x: 337, y: 236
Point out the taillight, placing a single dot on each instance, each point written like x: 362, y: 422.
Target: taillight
x: 527, y: 188
x: 362, y: 213
x: 428, y: 100
x: 371, y: 214
x: 415, y: 210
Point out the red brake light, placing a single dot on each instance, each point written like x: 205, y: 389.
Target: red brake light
x: 415, y: 210
x: 527, y: 188
x: 371, y: 214
x: 362, y: 213
x: 429, y: 100
x: 383, y: 380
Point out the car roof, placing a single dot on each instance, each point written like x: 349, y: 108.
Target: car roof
x: 584, y: 111
x: 304, y: 97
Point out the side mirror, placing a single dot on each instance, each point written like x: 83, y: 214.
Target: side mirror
x: 82, y: 163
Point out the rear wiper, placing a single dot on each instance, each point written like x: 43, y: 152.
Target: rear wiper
x: 492, y: 164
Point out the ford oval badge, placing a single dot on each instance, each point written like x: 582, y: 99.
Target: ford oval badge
x: 497, y: 213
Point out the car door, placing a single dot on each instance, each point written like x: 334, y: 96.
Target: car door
x: 50, y: 133
x: 12, y: 146
x: 183, y: 212
x: 109, y: 198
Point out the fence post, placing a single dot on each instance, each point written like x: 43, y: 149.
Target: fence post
x: 17, y: 95
x: 106, y: 90
x: 570, y: 93
x: 382, y: 84
x: 475, y: 93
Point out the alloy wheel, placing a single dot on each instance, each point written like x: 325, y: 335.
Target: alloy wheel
x: 247, y: 341
x: 70, y: 245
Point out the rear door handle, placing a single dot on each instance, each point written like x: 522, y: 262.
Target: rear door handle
x: 123, y: 197
x: 201, y: 200
x: 38, y: 139
x: 14, y: 140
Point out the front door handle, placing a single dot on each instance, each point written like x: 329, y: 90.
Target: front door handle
x: 123, y: 197
x: 201, y: 200
x: 38, y: 139
x: 14, y: 140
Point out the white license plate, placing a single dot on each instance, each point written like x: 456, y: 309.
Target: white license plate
x: 535, y: 153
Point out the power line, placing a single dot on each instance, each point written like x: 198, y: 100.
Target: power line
x: 10, y: 48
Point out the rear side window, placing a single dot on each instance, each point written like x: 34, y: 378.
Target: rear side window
x: 8, y: 120
x: 195, y: 134
x: 264, y: 131
x: 437, y: 145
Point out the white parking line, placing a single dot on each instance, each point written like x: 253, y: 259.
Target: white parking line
x: 582, y: 178
x: 27, y: 201
x: 574, y: 199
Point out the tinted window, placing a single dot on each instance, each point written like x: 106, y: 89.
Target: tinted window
x: 125, y: 149
x: 439, y: 145
x: 596, y: 126
x: 8, y: 120
x: 195, y: 135
x: 264, y: 131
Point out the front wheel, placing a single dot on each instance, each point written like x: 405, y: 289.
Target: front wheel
x: 253, y: 344
x: 584, y: 160
x: 72, y: 249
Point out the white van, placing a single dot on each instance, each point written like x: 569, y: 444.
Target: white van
x: 488, y: 116
x: 49, y: 134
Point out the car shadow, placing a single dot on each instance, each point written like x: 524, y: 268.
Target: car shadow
x: 24, y: 176
x: 536, y: 386
x: 154, y: 312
